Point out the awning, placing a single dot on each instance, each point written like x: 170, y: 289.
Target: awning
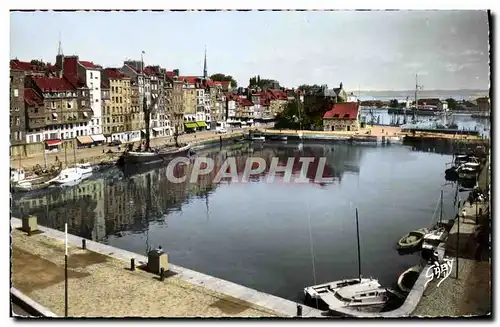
x: 201, y: 124
x: 84, y: 139
x: 157, y: 129
x: 191, y: 125
x: 53, y: 142
x: 98, y: 138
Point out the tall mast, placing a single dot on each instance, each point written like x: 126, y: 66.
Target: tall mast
x: 359, y: 251
x: 416, y: 89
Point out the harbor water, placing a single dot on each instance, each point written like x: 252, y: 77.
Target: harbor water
x: 276, y: 237
x: 463, y: 121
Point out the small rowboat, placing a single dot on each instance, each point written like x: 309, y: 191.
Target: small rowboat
x: 413, y: 239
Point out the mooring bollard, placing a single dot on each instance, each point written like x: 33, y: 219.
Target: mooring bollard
x: 29, y: 231
x: 299, y: 310
x: 132, y: 264
x: 162, y: 274
x: 84, y: 244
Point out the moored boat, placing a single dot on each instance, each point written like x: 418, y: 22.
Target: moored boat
x: 364, y: 294
x: 360, y: 293
x: 413, y: 239
x: 36, y: 182
x: 278, y: 138
x: 27, y: 186
x: 432, y: 240
x: 408, y: 278
x: 68, y: 177
x: 147, y: 157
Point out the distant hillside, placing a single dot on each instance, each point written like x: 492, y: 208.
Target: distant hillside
x: 442, y: 94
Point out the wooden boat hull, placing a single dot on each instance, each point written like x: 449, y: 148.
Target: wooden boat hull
x: 35, y: 183
x: 408, y: 278
x: 23, y: 187
x: 416, y: 241
x: 138, y: 158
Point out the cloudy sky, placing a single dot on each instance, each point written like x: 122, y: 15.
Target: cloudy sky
x: 366, y: 50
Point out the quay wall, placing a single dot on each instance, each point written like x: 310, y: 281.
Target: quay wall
x: 30, y: 306
x: 285, y: 307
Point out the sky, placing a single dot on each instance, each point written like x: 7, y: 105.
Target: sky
x: 377, y: 50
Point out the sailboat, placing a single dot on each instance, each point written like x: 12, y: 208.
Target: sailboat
x: 436, y: 235
x: 355, y: 293
x: 22, y: 183
x: 147, y: 155
x: 72, y: 175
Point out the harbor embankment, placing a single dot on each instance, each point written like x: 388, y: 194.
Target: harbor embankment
x: 467, y: 291
x: 101, y: 283
x: 102, y: 154
x: 379, y: 134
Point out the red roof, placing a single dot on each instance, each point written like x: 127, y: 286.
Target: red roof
x: 25, y: 66
x: 345, y: 110
x: 190, y: 79
x: 89, y: 64
x: 70, y: 72
x: 170, y: 74
x: 275, y: 94
x: 245, y: 102
x: 222, y: 83
x: 114, y: 73
x: 52, y: 84
x: 31, y: 97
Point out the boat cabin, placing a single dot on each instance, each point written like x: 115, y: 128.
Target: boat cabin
x: 366, y: 292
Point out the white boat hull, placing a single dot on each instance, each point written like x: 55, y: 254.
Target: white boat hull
x: 347, y: 294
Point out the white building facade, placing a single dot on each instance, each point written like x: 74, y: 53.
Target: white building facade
x: 92, y: 76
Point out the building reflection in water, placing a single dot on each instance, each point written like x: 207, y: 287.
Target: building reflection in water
x: 114, y: 204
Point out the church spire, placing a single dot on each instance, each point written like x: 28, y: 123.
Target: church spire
x: 205, y: 65
x: 59, y: 50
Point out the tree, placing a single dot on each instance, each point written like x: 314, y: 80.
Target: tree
x: 262, y: 83
x: 293, y: 116
x: 309, y: 88
x: 452, y: 103
x: 394, y: 103
x: 224, y: 78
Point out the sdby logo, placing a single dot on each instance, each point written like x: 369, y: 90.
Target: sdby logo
x: 439, y: 270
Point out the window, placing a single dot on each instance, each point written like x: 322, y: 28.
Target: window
x: 16, y: 92
x: 83, y: 102
x: 30, y: 139
x: 96, y: 100
x: 91, y: 75
x: 68, y: 105
x: 38, y: 138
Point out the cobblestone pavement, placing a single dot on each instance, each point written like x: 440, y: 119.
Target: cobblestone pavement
x: 102, y: 286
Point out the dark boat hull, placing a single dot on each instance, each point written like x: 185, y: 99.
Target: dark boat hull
x: 139, y: 158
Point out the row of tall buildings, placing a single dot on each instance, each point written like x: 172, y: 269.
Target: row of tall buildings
x: 80, y: 99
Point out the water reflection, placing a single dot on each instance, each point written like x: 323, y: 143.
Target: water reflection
x: 116, y: 205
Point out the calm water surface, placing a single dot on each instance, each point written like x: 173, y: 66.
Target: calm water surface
x: 463, y: 121
x: 258, y: 233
